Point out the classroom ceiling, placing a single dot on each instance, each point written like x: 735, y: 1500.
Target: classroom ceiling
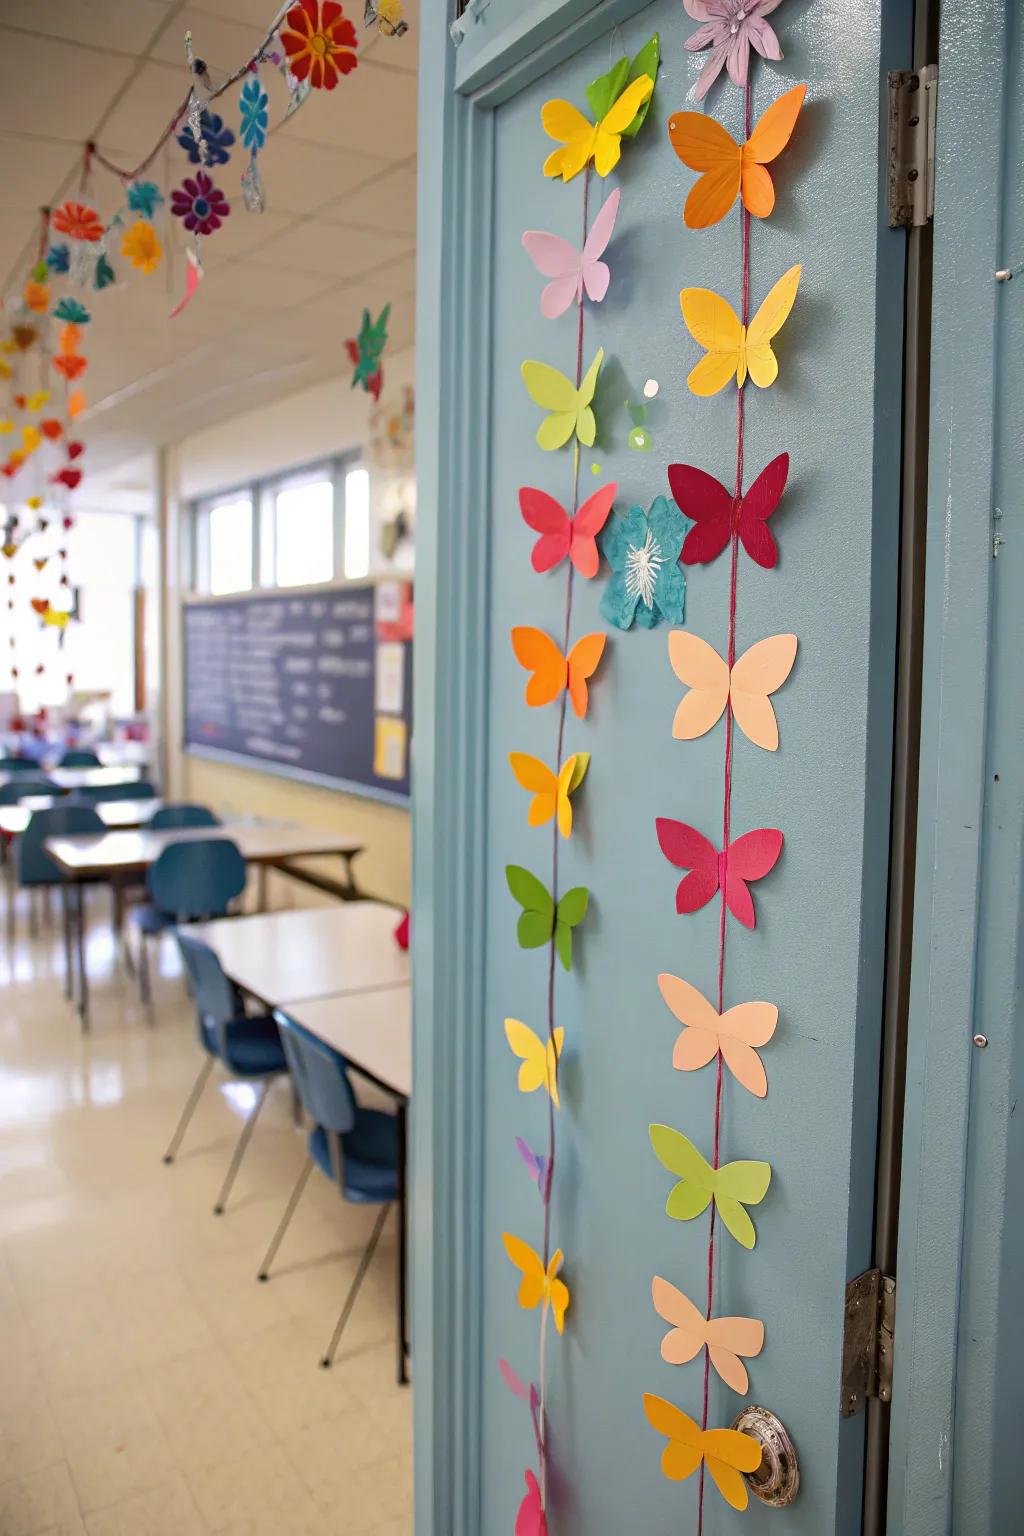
x: 283, y: 289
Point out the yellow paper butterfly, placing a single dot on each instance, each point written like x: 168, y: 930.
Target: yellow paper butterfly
x: 31, y: 437
x: 38, y: 400
x: 571, y: 408
x: 550, y: 791
x: 726, y: 1452
x: 754, y: 678
x: 539, y: 1058
x: 583, y: 141
x: 538, y: 1287
x: 6, y: 425
x: 731, y: 347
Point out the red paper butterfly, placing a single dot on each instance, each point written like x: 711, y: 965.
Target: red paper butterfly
x: 72, y: 478
x: 562, y: 535
x: 748, y: 858
x: 718, y: 514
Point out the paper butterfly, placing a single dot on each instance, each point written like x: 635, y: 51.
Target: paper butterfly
x: 607, y: 88
x: 541, y: 918
x: 539, y: 1058
x: 732, y: 1187
x: 571, y: 270
x: 366, y: 350
x: 571, y: 409
x: 719, y: 515
x: 750, y: 857
x: 748, y: 688
x: 537, y: 1285
x: 725, y: 1338
x: 582, y: 141
x: 552, y: 671
x: 536, y: 1166
x: 550, y: 791
x: 69, y: 361
x: 725, y: 1452
x: 732, y: 348
x: 562, y: 535
x: 530, y: 1518
x: 706, y: 1032
x: 732, y: 169
x: 388, y: 16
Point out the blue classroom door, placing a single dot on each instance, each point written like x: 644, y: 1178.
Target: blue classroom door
x: 816, y: 953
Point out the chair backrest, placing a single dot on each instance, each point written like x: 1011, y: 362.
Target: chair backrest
x: 174, y: 816
x: 18, y: 765
x: 216, y: 999
x: 79, y: 757
x: 136, y: 789
x: 22, y: 788
x: 320, y: 1076
x: 193, y: 880
x: 36, y: 867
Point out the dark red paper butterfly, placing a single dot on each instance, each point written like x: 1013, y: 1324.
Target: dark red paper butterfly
x: 717, y: 513
x: 748, y: 858
x: 562, y: 535
x: 72, y: 478
x: 75, y: 449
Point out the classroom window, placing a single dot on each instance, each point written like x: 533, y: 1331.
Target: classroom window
x: 229, y: 541
x: 304, y: 533
x: 357, y: 524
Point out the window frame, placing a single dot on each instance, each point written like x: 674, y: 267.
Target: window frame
x: 262, y: 493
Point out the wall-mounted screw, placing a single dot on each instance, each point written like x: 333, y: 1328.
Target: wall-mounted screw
x: 981, y: 1041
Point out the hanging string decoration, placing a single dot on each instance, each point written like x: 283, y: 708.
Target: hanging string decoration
x: 559, y: 673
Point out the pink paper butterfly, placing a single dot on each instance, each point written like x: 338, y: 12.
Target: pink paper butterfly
x: 562, y: 535
x: 749, y: 858
x: 573, y: 270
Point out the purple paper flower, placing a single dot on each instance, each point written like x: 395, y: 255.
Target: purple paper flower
x: 730, y: 29
x: 202, y: 205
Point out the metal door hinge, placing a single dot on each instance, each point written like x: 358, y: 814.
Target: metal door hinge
x: 913, y: 100
x: 868, y: 1340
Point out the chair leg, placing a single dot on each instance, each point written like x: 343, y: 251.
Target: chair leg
x: 145, y: 991
x: 354, y: 1288
x: 33, y: 914
x: 69, y: 959
x: 243, y: 1142
x: 189, y: 1110
x: 285, y: 1222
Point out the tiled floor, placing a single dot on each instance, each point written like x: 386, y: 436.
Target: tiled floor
x: 149, y: 1386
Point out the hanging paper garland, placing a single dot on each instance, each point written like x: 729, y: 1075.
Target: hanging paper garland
x: 561, y: 673
x: 366, y: 350
x: 388, y: 15
x: 320, y: 43
x: 253, y: 106
x: 739, y: 690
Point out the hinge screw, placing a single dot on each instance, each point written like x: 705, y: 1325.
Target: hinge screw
x: 981, y: 1041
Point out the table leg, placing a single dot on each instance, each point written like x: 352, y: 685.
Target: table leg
x: 69, y: 962
x: 353, y: 890
x: 83, y: 977
x: 261, y: 889
x: 403, y: 1337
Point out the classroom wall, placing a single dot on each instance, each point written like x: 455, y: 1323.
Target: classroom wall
x: 327, y: 418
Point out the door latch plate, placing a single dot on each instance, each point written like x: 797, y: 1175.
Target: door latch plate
x: 868, y: 1341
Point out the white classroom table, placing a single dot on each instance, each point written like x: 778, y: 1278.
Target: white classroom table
x: 77, y: 778
x: 308, y: 952
x: 116, y: 815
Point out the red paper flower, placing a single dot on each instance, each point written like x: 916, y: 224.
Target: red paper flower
x: 78, y: 221
x: 319, y: 42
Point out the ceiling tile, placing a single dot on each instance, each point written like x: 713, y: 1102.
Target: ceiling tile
x: 123, y: 25
x: 300, y: 176
x: 257, y: 286
x: 68, y: 93
x: 332, y: 250
x: 222, y: 43
x: 33, y: 169
x: 387, y: 203
x: 144, y: 111
x: 373, y: 110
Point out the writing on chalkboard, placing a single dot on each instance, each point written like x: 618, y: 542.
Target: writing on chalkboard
x: 301, y: 681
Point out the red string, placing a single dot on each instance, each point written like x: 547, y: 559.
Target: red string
x: 726, y: 794
x: 555, y: 834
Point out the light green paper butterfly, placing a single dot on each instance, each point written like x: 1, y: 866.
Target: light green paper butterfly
x: 540, y: 918
x: 571, y: 409
x: 732, y: 1187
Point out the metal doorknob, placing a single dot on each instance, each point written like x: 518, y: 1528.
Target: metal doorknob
x: 777, y: 1480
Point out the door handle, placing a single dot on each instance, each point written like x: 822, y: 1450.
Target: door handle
x: 777, y: 1480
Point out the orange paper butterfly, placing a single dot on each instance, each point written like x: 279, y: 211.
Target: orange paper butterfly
x: 732, y: 169
x: 706, y: 1032
x: 726, y: 1452
x: 724, y: 1338
x: 552, y: 671
x: 69, y: 361
x: 748, y: 687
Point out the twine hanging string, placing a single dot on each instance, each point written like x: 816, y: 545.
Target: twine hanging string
x: 727, y: 785
x: 549, y: 1172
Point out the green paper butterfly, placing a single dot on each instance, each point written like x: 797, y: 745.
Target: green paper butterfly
x: 540, y: 916
x: 732, y: 1187
x: 606, y: 89
x: 366, y: 350
x: 571, y: 408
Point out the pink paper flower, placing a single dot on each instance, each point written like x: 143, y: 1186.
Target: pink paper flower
x: 730, y: 29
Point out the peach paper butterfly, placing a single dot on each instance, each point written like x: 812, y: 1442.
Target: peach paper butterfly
x: 725, y: 1338
x: 735, y: 1033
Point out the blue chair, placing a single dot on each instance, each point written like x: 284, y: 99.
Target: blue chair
x: 79, y: 757
x: 36, y: 870
x: 187, y: 883
x: 22, y: 788
x: 174, y: 817
x: 357, y: 1149
x: 249, y: 1047
x: 135, y: 789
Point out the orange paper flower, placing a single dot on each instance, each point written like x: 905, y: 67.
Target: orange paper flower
x: 78, y: 221
x: 141, y: 246
x: 37, y: 297
x: 319, y: 42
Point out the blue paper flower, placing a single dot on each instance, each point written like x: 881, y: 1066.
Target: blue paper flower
x: 216, y: 136
x: 72, y: 312
x: 58, y: 258
x: 643, y: 550
x: 253, y: 106
x: 145, y: 197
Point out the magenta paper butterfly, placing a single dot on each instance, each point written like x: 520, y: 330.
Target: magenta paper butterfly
x: 571, y: 270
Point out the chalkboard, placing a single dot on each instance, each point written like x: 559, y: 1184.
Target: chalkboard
x: 313, y: 684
